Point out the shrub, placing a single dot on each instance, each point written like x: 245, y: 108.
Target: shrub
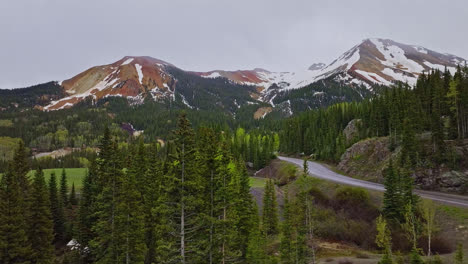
x: 356, y: 203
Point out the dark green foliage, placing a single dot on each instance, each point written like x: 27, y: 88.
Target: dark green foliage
x: 398, y: 193
x: 286, y: 248
x: 189, y: 200
x: 41, y: 229
x: 87, y: 208
x: 321, y: 94
x: 15, y: 246
x: 72, y: 199
x: 40, y: 94
x: 256, y: 242
x: 392, y: 203
x: 56, y: 208
x: 64, y: 189
x: 270, y: 209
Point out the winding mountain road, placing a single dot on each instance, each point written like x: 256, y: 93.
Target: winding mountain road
x: 320, y: 171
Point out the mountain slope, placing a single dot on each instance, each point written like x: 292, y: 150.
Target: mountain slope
x: 372, y: 62
x: 130, y: 77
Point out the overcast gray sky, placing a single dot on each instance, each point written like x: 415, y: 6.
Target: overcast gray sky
x: 43, y: 40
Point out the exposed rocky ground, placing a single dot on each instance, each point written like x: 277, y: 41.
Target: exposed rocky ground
x: 368, y: 158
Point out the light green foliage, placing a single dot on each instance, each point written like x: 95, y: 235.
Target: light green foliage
x: 6, y: 123
x: 256, y: 182
x: 383, y: 240
x: 7, y: 147
x: 459, y: 255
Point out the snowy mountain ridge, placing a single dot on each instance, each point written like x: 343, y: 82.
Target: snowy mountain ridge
x: 372, y: 62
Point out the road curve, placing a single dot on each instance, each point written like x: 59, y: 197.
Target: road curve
x: 320, y: 171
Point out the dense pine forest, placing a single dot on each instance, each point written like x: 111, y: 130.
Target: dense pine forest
x: 438, y: 105
x: 186, y: 202
x: 189, y: 201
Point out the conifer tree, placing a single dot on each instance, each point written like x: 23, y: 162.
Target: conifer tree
x: 286, y: 233
x: 105, y: 244
x: 156, y: 210
x: 72, y: 199
x: 41, y: 230
x: 86, y: 213
x: 15, y: 246
x: 270, y: 210
x: 21, y: 168
x: 391, y: 200
x: 256, y: 244
x: 243, y: 204
x: 129, y: 221
x: 185, y: 193
x: 225, y: 200
x: 208, y: 142
x: 64, y: 189
x: 56, y: 207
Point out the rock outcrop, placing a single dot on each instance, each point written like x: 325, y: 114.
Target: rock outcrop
x: 351, y: 131
x: 367, y: 159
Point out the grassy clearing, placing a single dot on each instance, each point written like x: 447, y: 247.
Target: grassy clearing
x: 6, y: 123
x: 256, y: 182
x: 74, y: 175
x: 457, y: 213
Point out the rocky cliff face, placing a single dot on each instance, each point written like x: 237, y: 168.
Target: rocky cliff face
x: 367, y: 159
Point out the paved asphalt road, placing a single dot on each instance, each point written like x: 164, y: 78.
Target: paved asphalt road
x: 320, y: 171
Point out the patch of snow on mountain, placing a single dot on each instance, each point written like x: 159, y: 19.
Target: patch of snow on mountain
x: 400, y: 76
x: 395, y: 57
x: 212, y: 75
x: 289, y: 108
x: 420, y: 49
x: 99, y: 86
x: 140, y: 73
x: 185, y: 102
x: 457, y: 61
x: 127, y: 61
x: 349, y: 59
x: 373, y: 77
x: 452, y: 70
x: 271, y: 100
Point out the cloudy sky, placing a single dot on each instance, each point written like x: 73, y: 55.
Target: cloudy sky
x: 43, y: 40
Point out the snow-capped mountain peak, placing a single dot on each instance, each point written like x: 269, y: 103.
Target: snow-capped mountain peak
x: 373, y: 61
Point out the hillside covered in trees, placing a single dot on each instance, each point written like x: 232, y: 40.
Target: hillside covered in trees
x: 425, y: 123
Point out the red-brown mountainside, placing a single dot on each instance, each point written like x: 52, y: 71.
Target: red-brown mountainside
x: 131, y: 77
x: 372, y: 62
